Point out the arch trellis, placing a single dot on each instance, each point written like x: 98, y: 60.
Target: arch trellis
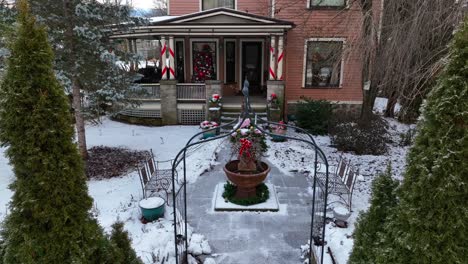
x: 319, y: 196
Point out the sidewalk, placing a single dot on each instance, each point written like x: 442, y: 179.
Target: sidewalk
x: 252, y: 237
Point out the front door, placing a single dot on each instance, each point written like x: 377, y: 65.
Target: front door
x: 252, y: 66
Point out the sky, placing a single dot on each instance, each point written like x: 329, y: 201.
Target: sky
x: 143, y: 4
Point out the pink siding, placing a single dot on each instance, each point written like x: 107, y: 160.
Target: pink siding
x: 309, y: 24
x: 320, y: 24
x: 183, y: 7
x: 257, y: 7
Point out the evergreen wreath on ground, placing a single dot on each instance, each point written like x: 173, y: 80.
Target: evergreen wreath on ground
x: 230, y: 190
x: 108, y: 162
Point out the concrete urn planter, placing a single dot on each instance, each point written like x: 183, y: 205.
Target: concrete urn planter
x: 341, y: 213
x: 246, y: 182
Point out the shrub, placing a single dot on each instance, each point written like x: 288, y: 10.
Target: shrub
x: 370, y: 224
x: 262, y: 192
x: 348, y: 134
x: 314, y: 115
x: 123, y: 252
x: 407, y: 138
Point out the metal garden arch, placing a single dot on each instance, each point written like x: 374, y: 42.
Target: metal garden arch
x: 319, y: 199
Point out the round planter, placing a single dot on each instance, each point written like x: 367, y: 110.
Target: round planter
x: 278, y: 138
x: 341, y: 213
x: 246, y: 183
x: 152, y: 208
x: 209, y: 134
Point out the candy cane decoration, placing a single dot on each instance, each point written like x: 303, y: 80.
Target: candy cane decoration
x: 280, y: 57
x: 171, y: 58
x: 163, y: 58
x: 272, y: 59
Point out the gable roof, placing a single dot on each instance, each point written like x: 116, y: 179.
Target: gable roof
x: 213, y: 22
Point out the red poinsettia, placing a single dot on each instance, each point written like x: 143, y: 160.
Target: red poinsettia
x: 246, y: 146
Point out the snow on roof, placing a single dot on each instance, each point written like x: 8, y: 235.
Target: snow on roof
x: 160, y: 18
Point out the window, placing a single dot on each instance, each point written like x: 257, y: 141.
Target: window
x: 323, y: 63
x: 180, y: 61
x: 210, y: 4
x: 328, y: 3
x: 149, y: 62
x: 230, y: 62
x: 204, y: 59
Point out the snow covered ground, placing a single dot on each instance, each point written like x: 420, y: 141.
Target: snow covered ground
x: 117, y: 199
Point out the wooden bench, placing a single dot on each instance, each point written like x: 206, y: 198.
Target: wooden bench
x: 341, y: 180
x: 154, y: 179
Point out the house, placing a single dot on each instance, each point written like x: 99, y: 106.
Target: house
x: 290, y: 48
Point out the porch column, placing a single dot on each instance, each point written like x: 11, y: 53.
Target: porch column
x: 276, y: 87
x: 163, y: 58
x: 279, y: 71
x: 137, y: 63
x: 212, y: 87
x: 168, y: 90
x: 129, y: 48
x: 171, y: 66
x: 272, y: 75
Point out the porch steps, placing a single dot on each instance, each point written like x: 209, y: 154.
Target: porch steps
x: 232, y: 112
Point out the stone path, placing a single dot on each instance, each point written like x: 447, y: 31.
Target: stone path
x: 252, y: 237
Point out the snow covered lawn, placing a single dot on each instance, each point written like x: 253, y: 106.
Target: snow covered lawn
x: 117, y: 198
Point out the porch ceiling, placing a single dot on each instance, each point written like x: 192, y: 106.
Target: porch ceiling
x: 214, y: 22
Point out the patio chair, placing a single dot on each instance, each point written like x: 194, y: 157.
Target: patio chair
x: 336, y: 173
x: 154, y: 180
x: 341, y: 180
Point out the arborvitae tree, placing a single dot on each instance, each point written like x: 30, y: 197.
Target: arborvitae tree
x: 49, y: 219
x: 370, y: 224
x: 430, y: 221
x: 124, y: 254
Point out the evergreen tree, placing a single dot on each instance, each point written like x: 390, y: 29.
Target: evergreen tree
x: 430, y: 221
x: 49, y: 220
x: 124, y: 254
x: 370, y: 224
x: 84, y: 56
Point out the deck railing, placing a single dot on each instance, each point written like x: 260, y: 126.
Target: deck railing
x: 191, y: 92
x: 148, y: 91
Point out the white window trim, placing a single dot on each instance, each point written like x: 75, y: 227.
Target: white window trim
x: 217, y: 54
x: 304, y: 64
x: 224, y: 53
x: 201, y: 5
x: 310, y: 6
x: 273, y: 8
x: 262, y: 60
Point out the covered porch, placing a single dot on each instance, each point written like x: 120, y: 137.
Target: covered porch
x: 219, y: 48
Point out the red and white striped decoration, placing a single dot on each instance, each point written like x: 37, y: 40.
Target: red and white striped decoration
x: 272, y: 59
x: 280, y: 57
x: 171, y: 58
x: 163, y: 59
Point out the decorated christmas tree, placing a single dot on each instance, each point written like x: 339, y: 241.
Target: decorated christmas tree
x: 203, y: 68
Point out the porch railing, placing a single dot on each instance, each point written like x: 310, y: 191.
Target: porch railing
x: 191, y: 92
x: 148, y: 91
